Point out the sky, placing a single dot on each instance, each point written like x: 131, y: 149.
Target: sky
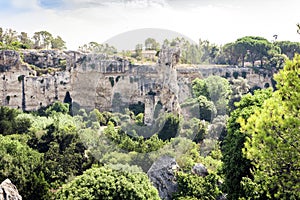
x: 219, y: 21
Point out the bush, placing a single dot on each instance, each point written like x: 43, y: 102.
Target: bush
x: 197, y: 187
x: 105, y: 183
x: 207, y: 109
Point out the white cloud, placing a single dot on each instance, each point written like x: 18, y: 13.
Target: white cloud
x: 74, y: 4
x: 28, y: 4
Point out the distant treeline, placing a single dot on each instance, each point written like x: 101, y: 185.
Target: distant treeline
x: 11, y: 39
x: 246, y: 51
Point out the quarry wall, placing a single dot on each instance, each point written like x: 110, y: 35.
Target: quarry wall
x: 30, y: 79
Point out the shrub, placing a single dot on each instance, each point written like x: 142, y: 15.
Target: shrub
x: 106, y: 183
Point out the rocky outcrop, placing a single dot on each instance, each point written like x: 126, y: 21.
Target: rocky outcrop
x: 9, y: 191
x: 162, y: 176
x: 8, y: 59
x: 45, y: 58
x: 169, y: 56
x: 199, y: 169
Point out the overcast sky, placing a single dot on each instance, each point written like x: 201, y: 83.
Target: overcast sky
x: 219, y: 21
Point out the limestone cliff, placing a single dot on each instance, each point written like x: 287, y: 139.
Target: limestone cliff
x: 27, y: 86
x: 30, y: 79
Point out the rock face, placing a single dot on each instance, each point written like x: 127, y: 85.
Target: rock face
x: 199, y: 169
x: 8, y: 191
x: 31, y: 79
x: 162, y: 176
x: 29, y: 87
x: 45, y: 58
x: 258, y: 77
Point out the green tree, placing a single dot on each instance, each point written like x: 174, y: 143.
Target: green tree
x: 277, y: 61
x: 235, y: 165
x: 219, y: 92
x: 184, y: 150
x: 208, y: 51
x: 7, y: 120
x: 166, y: 42
x: 57, y: 137
x: 135, y: 143
x: 207, y: 109
x: 151, y: 44
x: 23, y: 124
x: 252, y: 48
x: 22, y: 166
x: 57, y: 107
x: 95, y: 47
x: 194, y: 54
x: 199, y: 87
x: 42, y: 40
x: 58, y: 43
x: 190, y: 53
x: 25, y: 40
x: 288, y: 48
x: 242, y: 47
x: 273, y: 143
x: 106, y: 183
x: 230, y: 53
x: 10, y: 36
x: 10, y: 123
x: 260, y: 48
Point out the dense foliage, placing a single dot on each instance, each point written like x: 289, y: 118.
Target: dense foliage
x: 273, y: 141
x: 213, y: 94
x: 10, y: 123
x: 106, y: 183
x: 235, y: 165
x: 23, y: 165
x: 192, y: 186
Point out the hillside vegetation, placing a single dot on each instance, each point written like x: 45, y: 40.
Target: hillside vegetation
x: 247, y: 139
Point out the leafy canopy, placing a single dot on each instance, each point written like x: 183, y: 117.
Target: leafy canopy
x: 273, y: 144
x: 235, y: 165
